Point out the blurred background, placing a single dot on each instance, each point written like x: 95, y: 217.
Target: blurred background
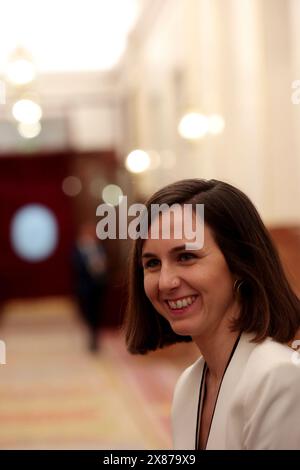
x: 105, y: 98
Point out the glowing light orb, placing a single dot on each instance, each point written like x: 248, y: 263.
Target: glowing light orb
x: 34, y: 232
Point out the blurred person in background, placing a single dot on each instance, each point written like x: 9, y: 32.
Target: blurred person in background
x: 90, y: 279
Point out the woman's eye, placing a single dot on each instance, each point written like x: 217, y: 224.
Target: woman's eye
x: 151, y: 263
x: 186, y: 256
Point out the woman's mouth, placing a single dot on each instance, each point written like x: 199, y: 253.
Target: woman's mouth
x: 181, y: 304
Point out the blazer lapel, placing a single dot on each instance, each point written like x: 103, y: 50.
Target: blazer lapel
x: 217, y: 435
x: 185, y: 411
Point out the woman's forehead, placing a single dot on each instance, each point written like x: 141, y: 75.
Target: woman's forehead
x: 157, y: 242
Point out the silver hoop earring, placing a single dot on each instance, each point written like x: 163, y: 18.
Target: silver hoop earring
x: 237, y: 286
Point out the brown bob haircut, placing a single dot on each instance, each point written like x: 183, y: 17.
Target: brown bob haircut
x: 269, y: 307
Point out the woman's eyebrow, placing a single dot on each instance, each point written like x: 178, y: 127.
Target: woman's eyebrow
x: 173, y: 250
x: 148, y: 255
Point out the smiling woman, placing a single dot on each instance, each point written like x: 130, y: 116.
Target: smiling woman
x: 181, y: 285
x: 230, y: 297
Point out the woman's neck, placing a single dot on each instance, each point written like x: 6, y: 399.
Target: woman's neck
x: 216, y: 350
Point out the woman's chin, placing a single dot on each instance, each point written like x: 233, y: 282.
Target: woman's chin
x: 185, y: 329
x: 182, y: 330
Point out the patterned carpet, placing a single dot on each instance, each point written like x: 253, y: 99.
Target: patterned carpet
x: 55, y: 394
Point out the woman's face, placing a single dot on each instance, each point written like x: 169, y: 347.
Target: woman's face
x: 192, y: 289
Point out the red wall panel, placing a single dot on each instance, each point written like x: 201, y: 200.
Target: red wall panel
x: 35, y: 180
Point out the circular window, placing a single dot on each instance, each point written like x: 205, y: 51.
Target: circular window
x: 34, y: 232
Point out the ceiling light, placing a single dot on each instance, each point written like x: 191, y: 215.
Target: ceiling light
x: 193, y: 126
x: 112, y: 194
x: 40, y: 27
x: 20, y: 71
x: 29, y: 131
x: 137, y: 161
x: 27, y: 111
x: 71, y: 186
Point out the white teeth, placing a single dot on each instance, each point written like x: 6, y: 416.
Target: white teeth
x: 181, y: 303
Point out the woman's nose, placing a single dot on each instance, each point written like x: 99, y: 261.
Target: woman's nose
x: 168, y: 279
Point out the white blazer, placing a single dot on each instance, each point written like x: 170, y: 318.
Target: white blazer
x: 258, y: 406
